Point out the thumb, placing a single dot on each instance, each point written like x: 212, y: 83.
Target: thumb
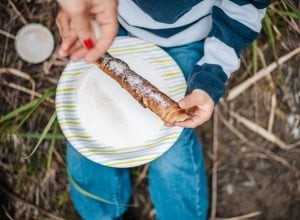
x: 81, y: 23
x: 188, y: 101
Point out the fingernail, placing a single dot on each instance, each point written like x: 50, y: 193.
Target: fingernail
x: 88, y: 43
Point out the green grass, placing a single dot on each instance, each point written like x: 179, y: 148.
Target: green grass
x: 18, y: 117
x: 29, y: 107
x: 254, y: 57
x: 44, y: 133
x: 52, y: 144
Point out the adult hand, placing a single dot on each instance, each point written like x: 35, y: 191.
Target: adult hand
x: 199, y: 105
x: 74, y: 23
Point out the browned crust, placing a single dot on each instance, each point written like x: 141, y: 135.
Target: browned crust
x: 142, y: 90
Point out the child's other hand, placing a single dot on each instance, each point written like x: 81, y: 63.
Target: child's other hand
x: 199, y: 105
x: 74, y: 23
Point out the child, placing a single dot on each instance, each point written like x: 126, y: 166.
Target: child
x: 205, y: 38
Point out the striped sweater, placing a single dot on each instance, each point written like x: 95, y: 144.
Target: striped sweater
x: 226, y: 26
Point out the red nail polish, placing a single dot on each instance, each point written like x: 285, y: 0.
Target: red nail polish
x: 88, y: 43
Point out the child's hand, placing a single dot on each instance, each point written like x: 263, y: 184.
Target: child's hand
x: 74, y: 23
x: 199, y: 105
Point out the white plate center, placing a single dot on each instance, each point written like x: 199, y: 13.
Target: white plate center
x: 110, y: 114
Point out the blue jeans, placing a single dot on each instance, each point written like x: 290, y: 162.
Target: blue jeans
x: 177, y: 180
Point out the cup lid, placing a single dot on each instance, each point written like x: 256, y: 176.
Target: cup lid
x: 34, y: 43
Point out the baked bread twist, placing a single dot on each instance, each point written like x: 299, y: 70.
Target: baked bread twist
x: 142, y: 90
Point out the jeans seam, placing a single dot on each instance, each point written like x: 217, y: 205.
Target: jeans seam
x: 197, y: 177
x: 117, y: 194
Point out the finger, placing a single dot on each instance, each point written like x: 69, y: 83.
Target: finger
x: 108, y: 31
x: 168, y: 124
x: 102, y: 45
x: 68, y: 42
x: 78, y: 11
x: 188, y: 101
x: 82, y: 26
x: 194, y: 122
x: 63, y: 23
x: 68, y: 36
x: 79, y: 54
x: 75, y: 47
x: 193, y: 110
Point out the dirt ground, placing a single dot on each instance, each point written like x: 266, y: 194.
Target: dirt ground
x: 251, y: 145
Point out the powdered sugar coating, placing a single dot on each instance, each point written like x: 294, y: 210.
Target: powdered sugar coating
x: 122, y: 70
x: 159, y: 98
x: 133, y: 80
x: 117, y: 66
x: 105, y: 58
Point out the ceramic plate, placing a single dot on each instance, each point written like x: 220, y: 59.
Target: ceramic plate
x: 103, y: 122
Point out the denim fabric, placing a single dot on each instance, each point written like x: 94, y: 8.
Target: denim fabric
x: 110, y: 184
x: 177, y: 180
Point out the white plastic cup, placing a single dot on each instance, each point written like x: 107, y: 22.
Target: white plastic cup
x: 34, y: 43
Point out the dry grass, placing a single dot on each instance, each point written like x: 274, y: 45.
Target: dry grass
x: 251, y: 146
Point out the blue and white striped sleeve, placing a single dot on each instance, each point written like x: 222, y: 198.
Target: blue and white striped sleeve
x: 236, y: 24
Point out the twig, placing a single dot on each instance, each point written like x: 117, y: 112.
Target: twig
x: 248, y: 66
x: 53, y: 61
x: 4, y: 95
x: 5, y: 167
x: 233, y: 93
x: 25, y: 90
x: 4, y: 51
x: 59, y: 158
x: 293, y: 145
x: 215, y: 166
x: 259, y: 155
x: 17, y: 72
x: 16, y: 198
x: 20, y: 74
x: 272, y: 112
x: 247, y: 216
x: 253, y: 145
x: 60, y: 62
x: 52, y: 80
x: 289, y: 20
x: 273, y: 96
x: 6, y: 213
x: 23, y: 20
x: 8, y: 35
x: 142, y: 175
x: 261, y: 131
